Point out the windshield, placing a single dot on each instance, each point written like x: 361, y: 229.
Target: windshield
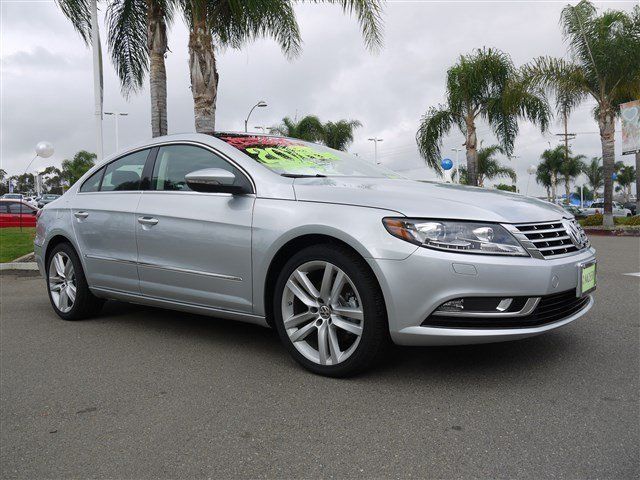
x: 293, y: 157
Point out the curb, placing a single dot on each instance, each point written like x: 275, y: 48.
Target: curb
x: 19, y: 266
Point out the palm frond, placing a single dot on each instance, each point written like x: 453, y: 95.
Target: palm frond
x: 434, y: 125
x: 127, y: 40
x: 369, y: 15
x: 233, y: 23
x: 79, y: 13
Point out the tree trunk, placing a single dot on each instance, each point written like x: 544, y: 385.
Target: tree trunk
x: 204, y: 76
x: 157, y: 44
x: 606, y: 121
x: 471, y: 145
x: 637, y: 182
x: 567, y: 189
x: 554, y: 186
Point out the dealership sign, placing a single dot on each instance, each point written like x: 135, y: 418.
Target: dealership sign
x: 630, y: 114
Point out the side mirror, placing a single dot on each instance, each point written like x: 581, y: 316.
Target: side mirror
x: 213, y: 180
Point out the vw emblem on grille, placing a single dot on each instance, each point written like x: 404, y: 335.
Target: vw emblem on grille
x: 574, y: 233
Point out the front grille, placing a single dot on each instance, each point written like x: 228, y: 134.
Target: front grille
x: 550, y: 309
x: 549, y: 239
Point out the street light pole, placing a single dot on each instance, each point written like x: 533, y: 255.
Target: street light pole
x: 457, y: 150
x: 375, y: 141
x: 261, y: 103
x: 530, y: 170
x: 97, y: 76
x: 116, y: 115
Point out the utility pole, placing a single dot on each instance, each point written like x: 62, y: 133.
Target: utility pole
x: 375, y: 141
x: 567, y: 136
x: 116, y: 115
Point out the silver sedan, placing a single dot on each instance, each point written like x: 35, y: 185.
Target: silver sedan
x: 340, y: 256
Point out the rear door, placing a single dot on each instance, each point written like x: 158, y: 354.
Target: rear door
x: 104, y: 222
x: 194, y: 247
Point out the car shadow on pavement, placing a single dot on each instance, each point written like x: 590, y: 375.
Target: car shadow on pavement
x: 489, y: 360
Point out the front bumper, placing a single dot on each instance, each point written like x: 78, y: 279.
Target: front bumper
x: 413, y: 288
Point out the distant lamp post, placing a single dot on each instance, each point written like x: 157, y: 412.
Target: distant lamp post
x: 457, y: 150
x: 530, y: 170
x: 116, y: 115
x: 375, y: 141
x: 43, y: 150
x: 260, y: 104
x: 260, y: 127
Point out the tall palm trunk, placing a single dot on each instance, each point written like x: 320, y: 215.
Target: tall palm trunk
x: 204, y: 76
x: 606, y: 121
x: 554, y: 186
x: 471, y: 144
x: 157, y: 43
x: 567, y: 189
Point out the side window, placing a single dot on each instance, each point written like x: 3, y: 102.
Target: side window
x: 175, y: 161
x: 14, y: 208
x: 92, y: 184
x: 125, y: 173
x: 4, y: 207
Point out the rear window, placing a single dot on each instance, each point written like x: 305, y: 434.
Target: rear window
x: 597, y: 205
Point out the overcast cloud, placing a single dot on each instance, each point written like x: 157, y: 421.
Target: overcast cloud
x: 46, y: 85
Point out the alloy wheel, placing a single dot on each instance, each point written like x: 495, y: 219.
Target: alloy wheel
x: 322, y: 313
x: 62, y: 282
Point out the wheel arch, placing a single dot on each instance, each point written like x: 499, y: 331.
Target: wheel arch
x: 55, y: 240
x: 294, y: 245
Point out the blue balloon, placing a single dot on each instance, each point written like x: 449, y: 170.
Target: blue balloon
x: 614, y: 176
x: 446, y: 163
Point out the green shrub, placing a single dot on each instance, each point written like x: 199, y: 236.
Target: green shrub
x: 592, y: 220
x: 596, y: 221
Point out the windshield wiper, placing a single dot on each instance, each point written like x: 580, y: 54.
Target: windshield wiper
x: 300, y: 175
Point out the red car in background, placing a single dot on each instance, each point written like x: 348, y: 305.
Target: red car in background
x: 16, y: 213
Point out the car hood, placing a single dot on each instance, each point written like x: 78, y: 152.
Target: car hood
x: 428, y: 199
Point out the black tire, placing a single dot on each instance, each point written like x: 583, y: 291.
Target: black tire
x: 86, y: 304
x: 375, y: 331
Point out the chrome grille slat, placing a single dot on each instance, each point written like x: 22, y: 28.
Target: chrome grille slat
x: 550, y: 239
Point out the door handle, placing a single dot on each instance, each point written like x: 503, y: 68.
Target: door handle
x: 81, y: 214
x: 147, y: 220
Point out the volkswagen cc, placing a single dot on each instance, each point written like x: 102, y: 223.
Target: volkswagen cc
x: 339, y: 256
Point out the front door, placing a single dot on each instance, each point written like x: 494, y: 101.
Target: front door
x: 194, y: 247
x: 103, y: 216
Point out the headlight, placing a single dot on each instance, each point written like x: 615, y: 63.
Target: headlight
x: 456, y: 236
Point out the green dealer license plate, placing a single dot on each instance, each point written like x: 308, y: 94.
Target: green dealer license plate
x: 586, y: 279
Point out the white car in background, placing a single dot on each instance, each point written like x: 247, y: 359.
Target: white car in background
x: 617, y: 209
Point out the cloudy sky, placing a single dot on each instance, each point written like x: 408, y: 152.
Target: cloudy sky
x: 46, y: 79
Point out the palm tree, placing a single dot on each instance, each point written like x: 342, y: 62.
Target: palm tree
x: 604, y: 64
x: 625, y: 179
x: 484, y: 85
x: 339, y: 135
x: 551, y: 167
x: 228, y: 23
x: 593, y: 171
x: 571, y: 168
x: 543, y: 177
x: 137, y: 41
x: 488, y: 167
x: 309, y: 128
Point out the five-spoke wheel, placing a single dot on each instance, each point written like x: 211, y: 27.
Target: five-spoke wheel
x: 67, y: 285
x: 329, y: 310
x: 62, y: 281
x: 322, y: 312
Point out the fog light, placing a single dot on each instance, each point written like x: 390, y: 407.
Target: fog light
x: 456, y: 305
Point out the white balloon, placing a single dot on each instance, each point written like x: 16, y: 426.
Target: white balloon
x: 44, y: 149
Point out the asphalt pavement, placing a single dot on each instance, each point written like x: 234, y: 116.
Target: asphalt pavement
x: 146, y: 393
